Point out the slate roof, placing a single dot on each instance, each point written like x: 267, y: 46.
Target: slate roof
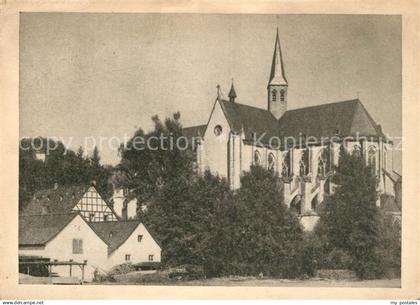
x: 121, y: 230
x: 60, y: 200
x: 194, y: 131
x: 277, y: 75
x: 38, y: 230
x: 347, y: 117
x: 251, y: 119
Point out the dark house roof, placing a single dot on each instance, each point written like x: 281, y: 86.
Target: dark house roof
x: 115, y: 233
x: 60, y: 200
x: 57, y: 200
x: 347, y: 118
x: 38, y: 230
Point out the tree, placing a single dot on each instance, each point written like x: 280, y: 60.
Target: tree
x: 151, y: 160
x: 61, y: 165
x: 95, y: 159
x: 198, y: 219
x: 186, y: 217
x: 157, y: 172
x: 351, y: 218
x: 267, y: 235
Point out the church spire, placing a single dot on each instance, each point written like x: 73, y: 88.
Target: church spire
x: 277, y: 75
x: 277, y: 84
x: 232, y: 93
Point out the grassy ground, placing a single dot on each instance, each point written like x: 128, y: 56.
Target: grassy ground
x: 295, y: 283
x: 267, y: 282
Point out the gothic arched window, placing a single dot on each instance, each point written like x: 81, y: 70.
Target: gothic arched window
x: 284, y: 170
x: 296, y: 204
x: 271, y: 162
x: 304, y: 164
x: 321, y: 167
x: 357, y: 150
x: 282, y: 93
x: 273, y: 95
x: 302, y: 168
x: 257, y: 158
x: 372, y: 158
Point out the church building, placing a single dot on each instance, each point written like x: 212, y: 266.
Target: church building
x: 237, y: 136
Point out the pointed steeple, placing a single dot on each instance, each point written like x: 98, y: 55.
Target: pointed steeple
x: 277, y: 85
x: 277, y: 75
x: 232, y: 93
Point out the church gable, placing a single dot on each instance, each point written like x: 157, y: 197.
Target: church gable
x: 94, y: 208
x: 215, y: 142
x: 217, y: 119
x: 362, y: 123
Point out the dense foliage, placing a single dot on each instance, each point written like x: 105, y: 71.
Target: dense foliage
x: 200, y: 221
x: 61, y: 165
x: 151, y: 160
x: 353, y: 232
x: 267, y: 236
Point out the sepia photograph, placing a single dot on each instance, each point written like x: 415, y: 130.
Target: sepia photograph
x: 195, y: 150
x: 210, y: 149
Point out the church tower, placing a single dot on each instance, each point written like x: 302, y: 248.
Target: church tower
x: 277, y: 84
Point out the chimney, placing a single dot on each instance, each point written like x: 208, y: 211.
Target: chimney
x: 93, y: 183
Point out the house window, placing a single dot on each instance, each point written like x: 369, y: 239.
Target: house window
x: 127, y: 257
x: 91, y: 216
x: 105, y: 217
x: 257, y: 158
x: 150, y: 257
x: 282, y: 92
x: 271, y: 162
x: 273, y: 95
x: 110, y: 234
x: 77, y: 246
x: 139, y: 238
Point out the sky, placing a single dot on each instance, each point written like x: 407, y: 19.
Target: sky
x: 85, y: 75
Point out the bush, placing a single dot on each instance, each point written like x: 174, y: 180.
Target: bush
x: 350, y: 219
x: 262, y: 236
x: 187, y: 272
x: 318, y: 254
x: 390, y: 246
x: 121, y: 269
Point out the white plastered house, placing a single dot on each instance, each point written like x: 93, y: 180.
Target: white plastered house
x: 75, y: 223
